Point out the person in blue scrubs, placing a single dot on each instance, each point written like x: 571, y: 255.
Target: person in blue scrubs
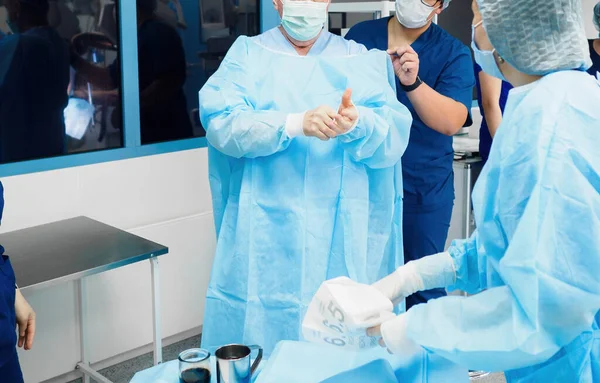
x: 595, y: 44
x: 435, y: 81
x: 492, y: 92
x: 14, y: 310
x: 34, y: 76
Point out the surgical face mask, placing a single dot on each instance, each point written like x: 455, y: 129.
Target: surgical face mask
x: 485, y: 59
x: 413, y: 14
x: 303, y: 20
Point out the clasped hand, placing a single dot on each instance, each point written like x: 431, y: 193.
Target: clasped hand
x: 325, y: 123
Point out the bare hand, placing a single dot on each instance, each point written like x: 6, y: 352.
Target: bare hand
x: 25, y: 321
x: 348, y: 114
x: 406, y: 64
x: 320, y: 123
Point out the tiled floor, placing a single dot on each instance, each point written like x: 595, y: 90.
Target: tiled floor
x: 492, y: 378
x: 123, y: 373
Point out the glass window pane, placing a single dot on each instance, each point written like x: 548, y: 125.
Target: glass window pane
x: 180, y: 44
x: 59, y: 83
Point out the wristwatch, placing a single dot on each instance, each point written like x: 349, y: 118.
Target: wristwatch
x: 410, y: 88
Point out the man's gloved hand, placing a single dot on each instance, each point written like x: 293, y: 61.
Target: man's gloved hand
x: 347, y: 114
x: 427, y: 273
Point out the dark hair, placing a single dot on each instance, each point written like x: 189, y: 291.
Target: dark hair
x: 35, y: 12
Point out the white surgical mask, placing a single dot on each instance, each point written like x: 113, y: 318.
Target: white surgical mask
x: 485, y: 59
x: 413, y: 14
x: 303, y: 20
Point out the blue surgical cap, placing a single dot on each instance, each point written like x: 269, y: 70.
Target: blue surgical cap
x: 537, y: 37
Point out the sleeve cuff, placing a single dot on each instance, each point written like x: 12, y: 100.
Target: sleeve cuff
x: 293, y: 124
x: 395, y: 338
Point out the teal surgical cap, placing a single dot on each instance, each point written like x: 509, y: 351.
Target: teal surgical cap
x: 537, y: 37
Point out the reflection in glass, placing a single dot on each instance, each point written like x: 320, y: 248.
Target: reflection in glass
x: 46, y: 107
x: 164, y: 114
x: 180, y: 44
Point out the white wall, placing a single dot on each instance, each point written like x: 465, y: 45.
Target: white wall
x: 163, y: 198
x: 588, y: 10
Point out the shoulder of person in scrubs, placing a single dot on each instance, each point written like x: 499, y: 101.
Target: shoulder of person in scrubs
x: 445, y: 65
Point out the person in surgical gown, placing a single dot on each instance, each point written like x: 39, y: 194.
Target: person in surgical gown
x: 535, y: 257
x: 304, y: 131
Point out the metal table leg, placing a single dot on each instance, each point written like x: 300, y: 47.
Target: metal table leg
x: 80, y: 290
x: 156, y: 318
x: 84, y: 365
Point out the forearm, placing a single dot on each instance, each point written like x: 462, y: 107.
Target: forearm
x: 493, y: 118
x: 430, y: 272
x: 459, y: 268
x: 477, y: 332
x: 440, y: 113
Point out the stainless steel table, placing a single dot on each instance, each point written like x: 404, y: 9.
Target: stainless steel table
x: 74, y: 249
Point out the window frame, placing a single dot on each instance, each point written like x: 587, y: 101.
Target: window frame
x: 132, y: 147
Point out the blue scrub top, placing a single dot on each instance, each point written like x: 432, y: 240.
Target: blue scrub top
x: 485, y: 138
x: 8, y: 336
x: 446, y: 66
x: 595, y: 68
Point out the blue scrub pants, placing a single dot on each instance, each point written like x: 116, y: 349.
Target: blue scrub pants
x: 10, y: 371
x: 425, y: 232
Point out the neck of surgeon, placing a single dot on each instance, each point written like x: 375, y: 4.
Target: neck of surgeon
x: 517, y: 79
x: 404, y: 35
x: 301, y: 47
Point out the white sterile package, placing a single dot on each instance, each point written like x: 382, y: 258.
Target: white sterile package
x: 342, y: 310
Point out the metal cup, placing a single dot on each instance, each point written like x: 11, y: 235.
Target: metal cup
x: 233, y: 363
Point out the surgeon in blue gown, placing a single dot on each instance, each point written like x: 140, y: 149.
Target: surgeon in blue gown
x: 535, y: 257
x: 14, y: 310
x: 34, y: 76
x: 304, y: 131
x: 435, y: 81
